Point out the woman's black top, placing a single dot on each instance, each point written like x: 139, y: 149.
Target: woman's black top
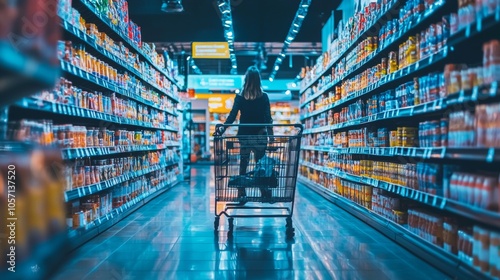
x: 252, y: 111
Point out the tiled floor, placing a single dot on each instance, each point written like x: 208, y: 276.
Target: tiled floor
x: 172, y: 237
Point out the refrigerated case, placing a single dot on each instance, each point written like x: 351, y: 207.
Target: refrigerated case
x: 200, y: 134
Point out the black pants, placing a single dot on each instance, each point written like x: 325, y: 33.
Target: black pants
x: 257, y: 145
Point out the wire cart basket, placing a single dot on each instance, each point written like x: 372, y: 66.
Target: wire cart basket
x: 256, y: 169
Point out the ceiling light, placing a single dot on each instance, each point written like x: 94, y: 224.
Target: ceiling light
x: 287, y: 92
x: 229, y: 34
x: 228, y: 22
x: 172, y: 6
x: 290, y: 38
x: 271, y: 79
x: 226, y: 12
x: 222, y: 4
x: 296, y: 25
x: 234, y: 66
x: 295, y: 31
x: 300, y: 16
x: 276, y: 68
x: 305, y: 5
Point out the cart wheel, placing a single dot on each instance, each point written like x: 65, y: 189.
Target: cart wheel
x: 216, y: 223
x: 289, y: 222
x: 290, y: 233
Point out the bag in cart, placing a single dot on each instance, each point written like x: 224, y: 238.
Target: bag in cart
x: 264, y: 175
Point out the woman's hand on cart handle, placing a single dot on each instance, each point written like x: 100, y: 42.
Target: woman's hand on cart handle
x: 219, y: 130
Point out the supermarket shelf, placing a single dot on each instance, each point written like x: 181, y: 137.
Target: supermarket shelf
x: 87, y: 5
x: 401, y: 73
x: 116, y: 60
x: 376, y: 54
x: 62, y: 109
x: 478, y: 93
x: 484, y: 216
x: 81, y: 235
x: 429, y: 107
x: 82, y: 74
x: 488, y: 24
x: 381, y: 18
x: 442, y: 259
x: 74, y: 153
x: 467, y: 154
x: 91, y: 189
x: 22, y: 75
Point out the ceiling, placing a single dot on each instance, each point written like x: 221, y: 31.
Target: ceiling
x: 254, y: 21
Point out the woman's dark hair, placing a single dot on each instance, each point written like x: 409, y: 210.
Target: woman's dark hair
x: 252, y: 88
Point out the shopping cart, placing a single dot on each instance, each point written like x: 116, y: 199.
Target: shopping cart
x: 270, y: 177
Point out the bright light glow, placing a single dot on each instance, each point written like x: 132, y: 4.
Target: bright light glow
x: 290, y: 38
x: 222, y: 4
x: 271, y: 79
x: 229, y: 34
x: 296, y: 24
x: 294, y: 85
x: 305, y: 5
x: 295, y: 30
x: 300, y: 16
x: 282, y: 54
x: 226, y: 12
x: 194, y: 66
x: 276, y: 68
x: 287, y: 92
x: 189, y: 57
x: 228, y: 21
x: 234, y: 66
x: 237, y: 91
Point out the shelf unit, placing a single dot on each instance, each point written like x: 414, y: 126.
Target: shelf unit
x: 154, y: 176
x: 321, y: 152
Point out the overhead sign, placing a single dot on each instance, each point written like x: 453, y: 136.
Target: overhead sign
x: 215, y: 82
x: 218, y: 103
x: 210, y: 50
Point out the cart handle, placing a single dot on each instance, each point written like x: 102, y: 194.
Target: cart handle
x: 221, y: 128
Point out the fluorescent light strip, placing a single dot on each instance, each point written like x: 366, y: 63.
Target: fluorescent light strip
x: 227, y: 22
x: 293, y: 31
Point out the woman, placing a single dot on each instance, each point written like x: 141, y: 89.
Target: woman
x: 255, y: 108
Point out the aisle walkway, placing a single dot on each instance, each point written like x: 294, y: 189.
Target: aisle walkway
x: 172, y: 238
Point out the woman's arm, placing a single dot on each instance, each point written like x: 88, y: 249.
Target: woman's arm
x: 234, y: 111
x: 268, y: 118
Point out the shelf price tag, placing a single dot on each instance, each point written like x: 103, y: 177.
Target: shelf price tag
x: 494, y: 88
x: 443, y: 203
x: 434, y: 201
x: 491, y: 155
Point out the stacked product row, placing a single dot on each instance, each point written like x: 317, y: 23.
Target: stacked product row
x: 118, y: 15
x: 396, y: 123
x: 45, y: 133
